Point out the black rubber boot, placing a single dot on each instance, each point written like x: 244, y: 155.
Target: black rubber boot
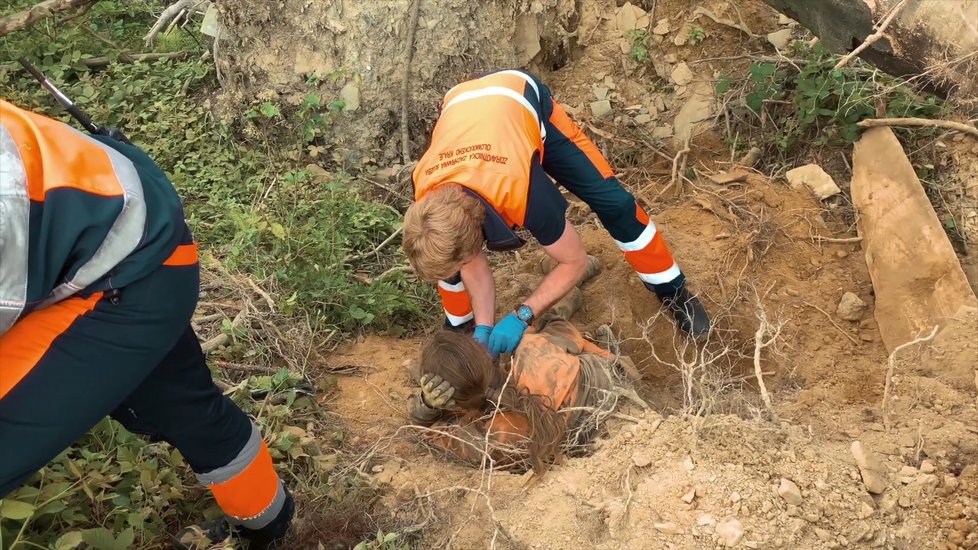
x: 267, y: 537
x: 690, y: 315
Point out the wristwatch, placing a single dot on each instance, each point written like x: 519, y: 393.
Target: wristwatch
x: 525, y: 313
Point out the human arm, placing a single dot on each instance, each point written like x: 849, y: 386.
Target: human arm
x: 481, y: 288
x: 571, y: 262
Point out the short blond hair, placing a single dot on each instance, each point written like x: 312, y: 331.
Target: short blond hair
x: 442, y: 230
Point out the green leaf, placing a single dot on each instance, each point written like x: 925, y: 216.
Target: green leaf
x: 760, y: 71
x: 723, y: 84
x: 278, y: 230
x: 68, y: 541
x: 99, y: 538
x: 755, y: 101
x: 16, y: 510
x: 126, y: 539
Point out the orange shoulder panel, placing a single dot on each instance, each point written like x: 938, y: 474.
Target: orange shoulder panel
x: 55, y: 155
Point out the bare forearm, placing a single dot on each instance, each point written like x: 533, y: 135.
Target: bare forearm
x: 556, y: 285
x: 481, y: 288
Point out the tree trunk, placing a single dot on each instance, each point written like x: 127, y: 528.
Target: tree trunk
x: 26, y: 18
x: 939, y: 38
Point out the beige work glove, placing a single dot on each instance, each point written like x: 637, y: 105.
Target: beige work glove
x: 437, y: 393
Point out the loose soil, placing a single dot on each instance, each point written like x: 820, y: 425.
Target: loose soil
x: 665, y: 479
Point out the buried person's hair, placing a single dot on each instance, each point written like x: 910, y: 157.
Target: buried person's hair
x: 462, y: 362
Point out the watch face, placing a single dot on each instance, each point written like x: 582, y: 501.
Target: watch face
x: 524, y: 313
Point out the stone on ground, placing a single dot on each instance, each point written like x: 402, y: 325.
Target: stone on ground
x: 790, y: 492
x: 850, y: 307
x: 729, y: 532
x: 813, y: 177
x: 601, y: 108
x: 780, y: 39
x: 682, y: 74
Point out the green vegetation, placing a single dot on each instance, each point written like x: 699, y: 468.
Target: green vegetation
x: 813, y: 103
x: 258, y: 203
x: 696, y: 34
x: 639, y: 40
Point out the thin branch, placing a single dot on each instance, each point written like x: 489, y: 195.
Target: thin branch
x: 871, y: 39
x: 891, y: 366
x: 946, y: 124
x: 837, y: 240
x: 405, y: 84
x: 763, y: 330
x: 25, y: 18
x: 387, y: 241
x: 837, y: 327
x: 168, y: 15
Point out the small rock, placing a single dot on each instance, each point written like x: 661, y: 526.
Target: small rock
x: 780, y: 39
x: 682, y: 74
x: 642, y: 459
x: 705, y: 520
x: 662, y: 132
x: 350, y: 93
x: 730, y: 531
x: 867, y: 336
x: 904, y: 502
x: 873, y: 481
x: 908, y: 471
x: 689, y: 497
x: 671, y: 58
x: 785, y: 20
x: 789, y: 492
x: 600, y: 92
x: 928, y: 481
x: 601, y: 108
x: 927, y: 467
x: 869, y: 468
x: 822, y: 534
x: 766, y: 506
x: 668, y: 528
x: 735, y: 497
x: 850, y: 307
x: 688, y: 464
x: 813, y: 177
x: 682, y: 37
x: 643, y: 119
x: 842, y: 254
x: 865, y: 511
x: 661, y: 27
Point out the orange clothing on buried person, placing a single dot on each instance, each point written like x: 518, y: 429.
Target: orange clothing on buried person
x: 558, y: 365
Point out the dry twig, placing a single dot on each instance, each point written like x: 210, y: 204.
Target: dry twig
x: 764, y: 330
x: 169, y: 15
x: 919, y: 122
x: 871, y: 39
x: 837, y: 327
x: 27, y: 17
x: 405, y: 84
x: 891, y: 366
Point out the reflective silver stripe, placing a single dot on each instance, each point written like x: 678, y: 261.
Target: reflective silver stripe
x: 641, y: 242
x: 266, y: 516
x: 457, y: 287
x: 525, y: 77
x: 123, y: 237
x: 457, y: 320
x: 238, y: 464
x: 666, y: 276
x: 15, y: 207
x: 499, y: 90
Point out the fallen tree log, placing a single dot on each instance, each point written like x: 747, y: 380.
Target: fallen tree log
x: 100, y: 62
x: 25, y: 18
x: 935, y: 40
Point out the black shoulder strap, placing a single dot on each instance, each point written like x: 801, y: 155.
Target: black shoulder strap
x: 500, y: 237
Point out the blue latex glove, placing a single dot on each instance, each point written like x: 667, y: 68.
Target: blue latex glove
x: 481, y: 335
x: 506, y: 335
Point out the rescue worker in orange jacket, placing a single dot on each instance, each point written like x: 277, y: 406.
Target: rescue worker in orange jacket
x: 98, y: 282
x: 498, y: 141
x: 560, y: 386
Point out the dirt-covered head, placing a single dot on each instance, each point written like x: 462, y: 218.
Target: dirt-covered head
x: 480, y: 385
x: 442, y: 231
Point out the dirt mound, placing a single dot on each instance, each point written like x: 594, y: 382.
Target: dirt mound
x: 355, y: 49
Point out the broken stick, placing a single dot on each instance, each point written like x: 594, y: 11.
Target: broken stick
x: 27, y: 17
x: 947, y: 124
x: 891, y: 366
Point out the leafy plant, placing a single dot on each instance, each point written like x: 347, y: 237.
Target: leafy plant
x: 696, y: 34
x: 639, y: 40
x: 383, y: 541
x: 821, y: 105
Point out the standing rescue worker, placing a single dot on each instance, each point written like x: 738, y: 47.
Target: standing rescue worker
x: 98, y: 282
x: 498, y: 141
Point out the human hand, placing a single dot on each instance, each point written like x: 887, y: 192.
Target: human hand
x: 481, y: 335
x: 506, y: 335
x: 437, y: 393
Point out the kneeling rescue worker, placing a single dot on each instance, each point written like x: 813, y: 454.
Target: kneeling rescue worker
x: 98, y: 282
x: 498, y: 141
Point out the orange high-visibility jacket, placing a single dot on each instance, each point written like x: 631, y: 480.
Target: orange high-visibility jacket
x: 485, y: 140
x: 76, y: 212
